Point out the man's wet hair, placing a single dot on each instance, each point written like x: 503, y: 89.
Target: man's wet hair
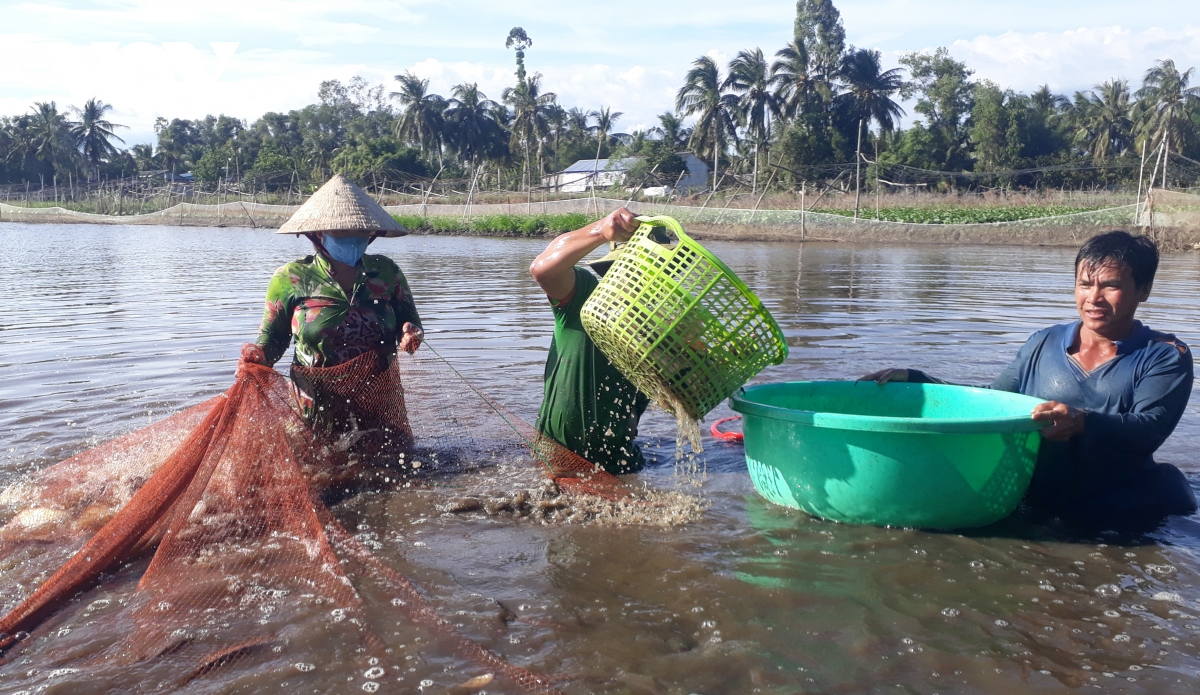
x: 1140, y: 252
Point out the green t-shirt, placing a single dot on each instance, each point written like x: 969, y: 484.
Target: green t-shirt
x: 588, y: 406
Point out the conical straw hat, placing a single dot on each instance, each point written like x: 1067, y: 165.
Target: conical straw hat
x: 340, y: 206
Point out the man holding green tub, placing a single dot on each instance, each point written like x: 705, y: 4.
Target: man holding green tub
x: 1115, y: 389
x: 588, y: 405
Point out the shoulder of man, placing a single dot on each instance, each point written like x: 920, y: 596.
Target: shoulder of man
x: 1055, y: 332
x: 1170, y: 340
x: 585, y: 283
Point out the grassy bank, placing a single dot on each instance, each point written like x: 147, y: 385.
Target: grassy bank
x: 547, y: 225
x: 497, y: 225
x: 961, y: 215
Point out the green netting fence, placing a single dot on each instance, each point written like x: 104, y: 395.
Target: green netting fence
x: 1173, y: 217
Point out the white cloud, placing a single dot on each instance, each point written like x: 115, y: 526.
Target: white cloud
x: 152, y: 58
x: 638, y: 92
x: 1076, y: 59
x: 145, y: 80
x: 635, y: 76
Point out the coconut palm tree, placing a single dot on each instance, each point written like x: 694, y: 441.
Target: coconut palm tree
x: 671, y: 129
x: 702, y: 96
x: 93, y: 132
x: 472, y: 123
x: 422, y: 117
x: 868, y: 89
x: 638, y: 140
x: 529, y: 125
x: 1166, y: 101
x: 797, y: 86
x: 1102, y: 119
x: 143, y: 157
x: 556, y: 121
x: 51, y: 139
x: 1047, y: 103
x: 577, y: 121
x: 16, y: 139
x: 757, y: 104
x: 605, y: 118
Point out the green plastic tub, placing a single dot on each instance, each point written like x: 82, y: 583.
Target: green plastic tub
x: 898, y: 454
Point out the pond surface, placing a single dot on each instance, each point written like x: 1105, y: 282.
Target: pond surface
x: 107, y: 328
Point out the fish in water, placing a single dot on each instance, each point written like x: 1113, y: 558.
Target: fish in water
x: 472, y: 685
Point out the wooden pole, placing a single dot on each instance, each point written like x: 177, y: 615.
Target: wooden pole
x: 1166, y: 160
x: 857, y: 168
x: 1154, y: 173
x: 712, y: 193
x: 1137, y: 207
x: 803, y: 210
x: 877, y: 179
x: 671, y: 193
x: 766, y: 188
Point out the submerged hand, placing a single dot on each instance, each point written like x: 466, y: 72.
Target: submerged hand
x: 411, y: 338
x: 1066, y: 422
x: 883, y: 376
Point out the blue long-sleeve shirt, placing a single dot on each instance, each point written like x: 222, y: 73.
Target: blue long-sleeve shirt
x: 1133, y: 403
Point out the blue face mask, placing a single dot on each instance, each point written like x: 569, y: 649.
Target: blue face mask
x: 347, y: 249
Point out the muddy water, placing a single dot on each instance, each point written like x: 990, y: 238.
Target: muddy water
x: 105, y: 329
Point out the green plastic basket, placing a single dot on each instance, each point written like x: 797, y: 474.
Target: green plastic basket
x: 678, y: 323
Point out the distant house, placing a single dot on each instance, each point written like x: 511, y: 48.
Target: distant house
x: 588, y: 173
x: 697, y: 172
x: 168, y: 176
x: 612, y: 172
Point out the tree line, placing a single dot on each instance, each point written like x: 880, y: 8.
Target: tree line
x: 810, y: 112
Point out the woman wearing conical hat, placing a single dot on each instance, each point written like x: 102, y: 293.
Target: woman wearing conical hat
x: 346, y: 312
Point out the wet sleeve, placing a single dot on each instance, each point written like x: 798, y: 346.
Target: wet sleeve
x: 403, y: 304
x: 916, y: 376
x: 1159, y: 399
x: 275, y: 334
x: 1013, y: 376
x: 1009, y: 380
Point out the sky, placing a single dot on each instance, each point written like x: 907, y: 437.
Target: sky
x: 151, y: 58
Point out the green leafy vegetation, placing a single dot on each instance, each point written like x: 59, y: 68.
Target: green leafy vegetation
x: 962, y: 215
x: 498, y: 225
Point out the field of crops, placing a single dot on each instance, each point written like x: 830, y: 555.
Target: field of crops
x: 501, y: 225
x: 961, y: 215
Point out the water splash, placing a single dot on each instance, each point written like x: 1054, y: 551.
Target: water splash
x: 688, y: 467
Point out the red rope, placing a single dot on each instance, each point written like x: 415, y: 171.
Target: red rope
x: 735, y: 437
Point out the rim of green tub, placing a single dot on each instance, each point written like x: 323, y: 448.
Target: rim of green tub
x: 741, y: 401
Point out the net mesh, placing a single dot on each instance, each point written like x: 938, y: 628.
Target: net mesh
x: 1175, y: 217
x: 223, y: 510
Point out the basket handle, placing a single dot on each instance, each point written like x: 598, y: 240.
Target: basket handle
x: 663, y: 221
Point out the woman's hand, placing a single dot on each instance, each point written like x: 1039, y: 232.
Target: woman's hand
x: 411, y: 336
x: 1066, y: 422
x: 253, y: 354
x: 883, y: 376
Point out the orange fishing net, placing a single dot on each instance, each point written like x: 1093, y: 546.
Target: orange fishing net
x: 227, y: 499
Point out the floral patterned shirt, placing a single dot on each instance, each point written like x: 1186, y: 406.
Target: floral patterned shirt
x: 305, y: 302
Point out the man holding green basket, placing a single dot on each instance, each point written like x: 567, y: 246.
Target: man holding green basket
x: 588, y: 406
